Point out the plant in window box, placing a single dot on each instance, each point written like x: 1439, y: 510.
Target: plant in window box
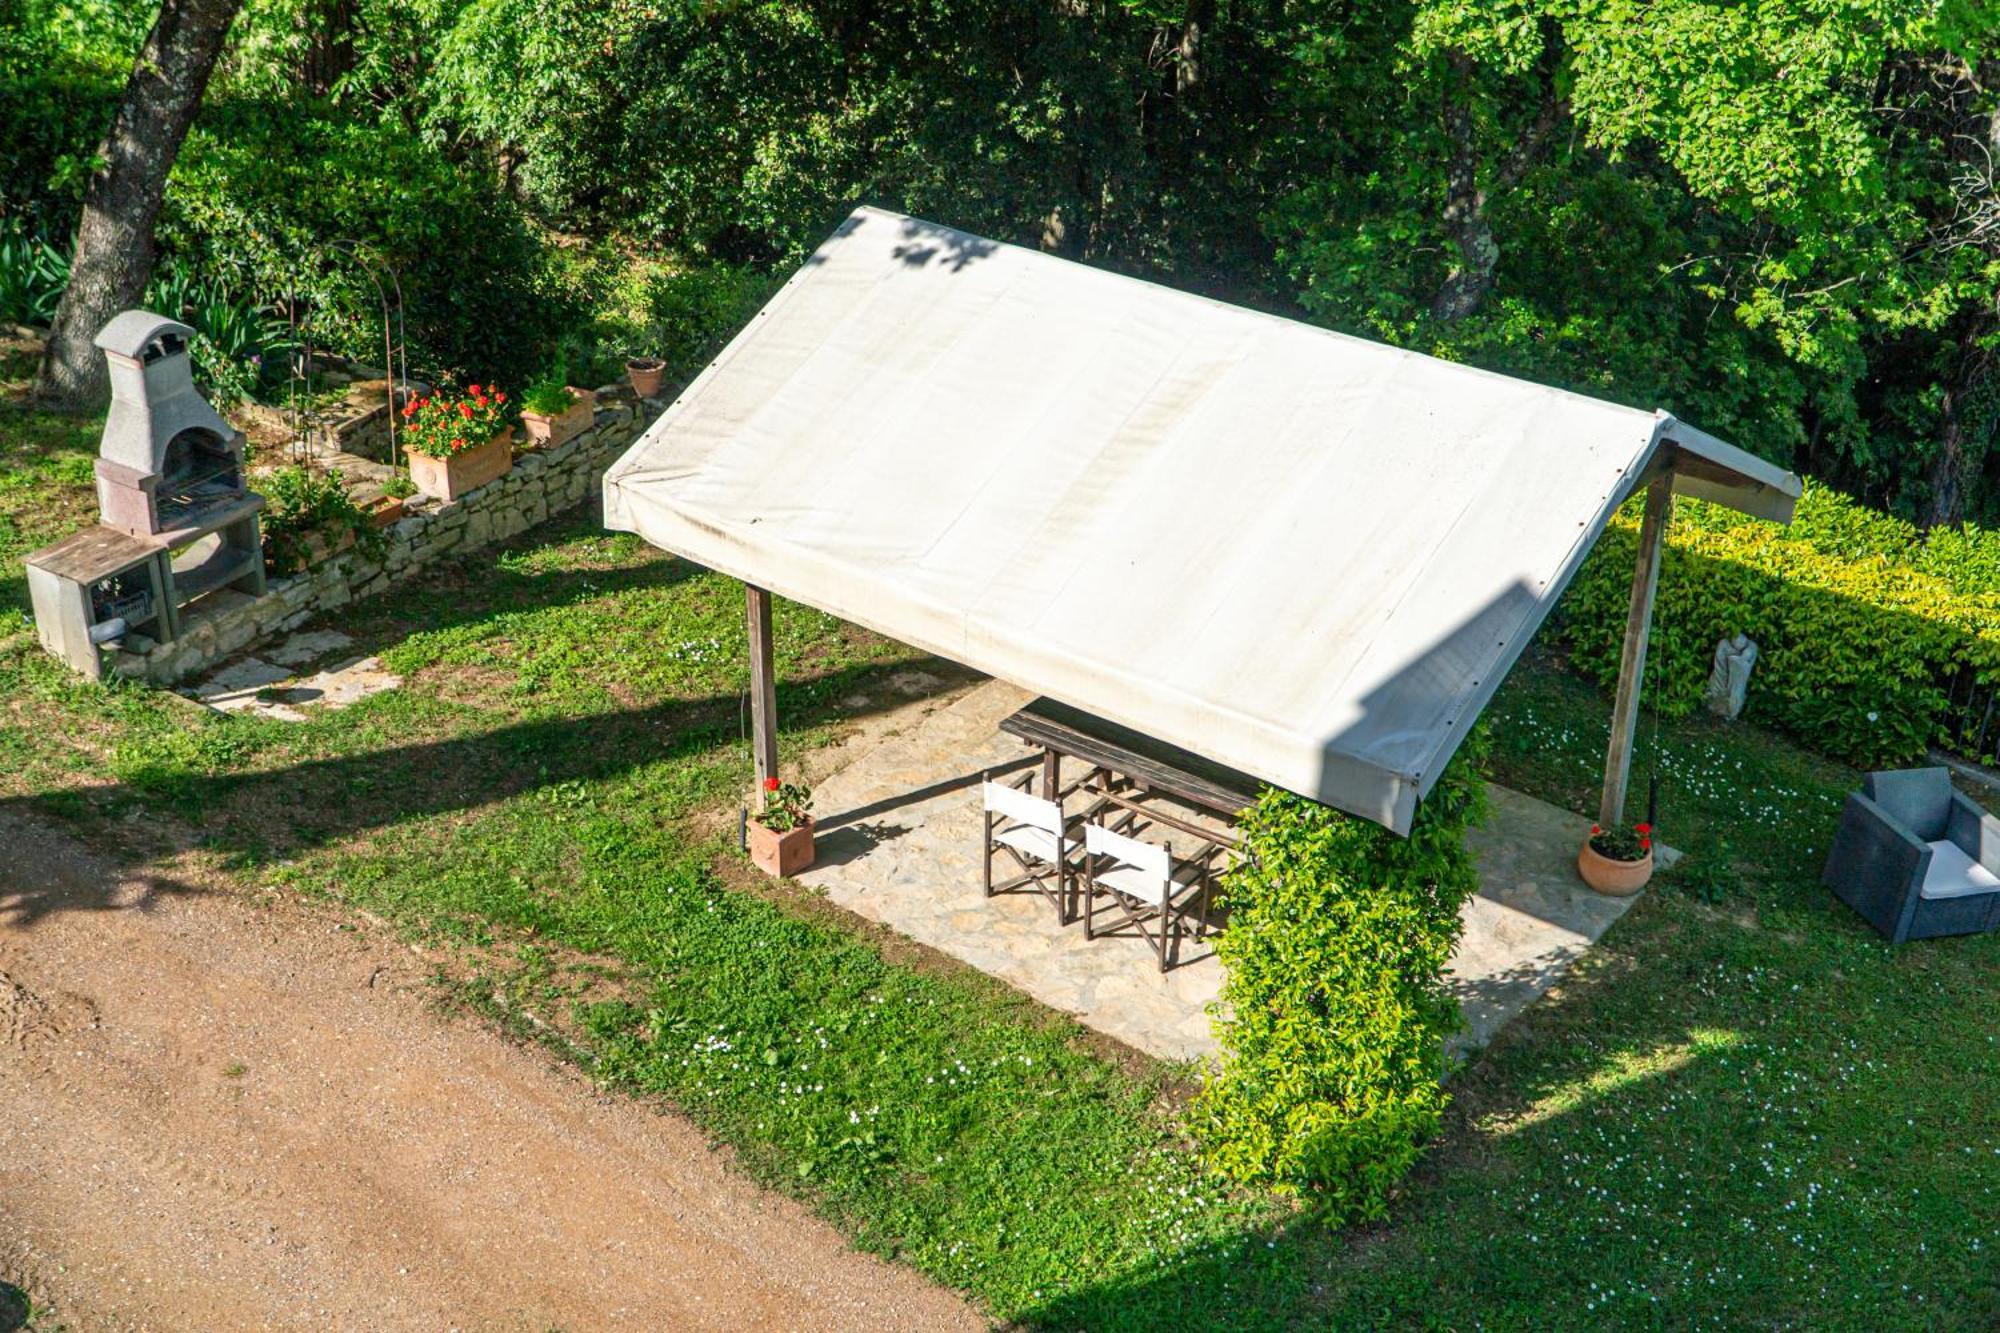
x: 1617, y: 861
x: 458, y: 443
x: 781, y: 834
x: 553, y: 411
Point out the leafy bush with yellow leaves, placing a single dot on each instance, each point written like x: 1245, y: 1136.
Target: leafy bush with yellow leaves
x: 1863, y: 621
x: 1333, y: 1048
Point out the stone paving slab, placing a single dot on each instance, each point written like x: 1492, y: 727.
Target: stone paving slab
x: 274, y: 688
x: 899, y: 844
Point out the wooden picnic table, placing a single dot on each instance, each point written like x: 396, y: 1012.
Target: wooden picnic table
x: 1135, y: 766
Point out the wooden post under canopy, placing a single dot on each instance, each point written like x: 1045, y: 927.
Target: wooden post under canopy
x: 763, y: 686
x: 1632, y: 661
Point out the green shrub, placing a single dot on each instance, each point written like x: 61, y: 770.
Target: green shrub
x: 1859, y: 640
x: 33, y: 274
x: 694, y: 311
x: 1967, y: 558
x: 300, y: 503
x: 1333, y: 1051
x: 548, y: 395
x: 285, y: 203
x: 56, y: 105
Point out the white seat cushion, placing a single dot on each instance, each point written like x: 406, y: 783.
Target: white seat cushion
x: 1953, y: 874
x: 1034, y: 842
x: 1143, y: 886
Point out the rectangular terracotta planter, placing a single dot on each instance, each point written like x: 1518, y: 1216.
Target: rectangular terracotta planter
x: 784, y: 853
x: 449, y: 478
x: 546, y: 432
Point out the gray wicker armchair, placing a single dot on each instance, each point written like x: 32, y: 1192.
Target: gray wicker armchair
x: 1916, y: 858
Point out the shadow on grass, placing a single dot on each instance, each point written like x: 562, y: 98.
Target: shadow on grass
x: 456, y: 594
x: 249, y: 816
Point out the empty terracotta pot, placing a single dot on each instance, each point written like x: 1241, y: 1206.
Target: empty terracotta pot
x: 645, y: 373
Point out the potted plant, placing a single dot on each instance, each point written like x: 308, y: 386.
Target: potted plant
x: 309, y: 517
x: 781, y: 834
x: 1617, y: 861
x: 457, y: 443
x: 399, y: 488
x: 645, y: 373
x: 553, y: 411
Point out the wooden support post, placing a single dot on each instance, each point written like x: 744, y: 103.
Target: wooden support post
x: 763, y: 687
x: 1632, y: 662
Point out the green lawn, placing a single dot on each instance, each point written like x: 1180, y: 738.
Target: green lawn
x: 1744, y: 1109
x: 45, y: 481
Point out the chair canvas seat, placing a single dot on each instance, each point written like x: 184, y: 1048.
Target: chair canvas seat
x: 1036, y: 842
x: 1953, y: 874
x: 1145, y: 886
x: 1030, y: 830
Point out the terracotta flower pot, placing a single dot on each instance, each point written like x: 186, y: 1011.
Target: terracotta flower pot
x: 546, y: 432
x: 467, y: 470
x: 382, y: 510
x: 645, y: 372
x: 1620, y: 879
x: 784, y: 853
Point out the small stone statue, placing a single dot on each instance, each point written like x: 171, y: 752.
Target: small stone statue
x: 1730, y: 680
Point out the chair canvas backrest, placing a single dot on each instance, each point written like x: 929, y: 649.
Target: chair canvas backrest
x: 1101, y: 841
x: 1023, y: 808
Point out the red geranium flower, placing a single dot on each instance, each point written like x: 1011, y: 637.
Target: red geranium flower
x: 472, y: 389
x: 770, y: 784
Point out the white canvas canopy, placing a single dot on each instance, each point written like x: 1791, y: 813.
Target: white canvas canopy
x: 1304, y: 555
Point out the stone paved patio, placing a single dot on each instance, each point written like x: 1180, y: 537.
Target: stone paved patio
x: 899, y: 844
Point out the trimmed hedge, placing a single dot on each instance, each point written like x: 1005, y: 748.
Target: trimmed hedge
x: 1863, y: 621
x: 1333, y: 1051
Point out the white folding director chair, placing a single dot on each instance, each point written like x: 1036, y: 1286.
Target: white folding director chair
x: 1154, y: 893
x: 1030, y: 830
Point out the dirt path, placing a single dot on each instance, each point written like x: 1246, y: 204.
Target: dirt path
x: 221, y: 1114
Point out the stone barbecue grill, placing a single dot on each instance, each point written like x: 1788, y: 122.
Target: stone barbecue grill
x: 177, y: 519
x: 169, y: 465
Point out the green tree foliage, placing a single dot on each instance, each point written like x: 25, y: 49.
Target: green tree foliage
x: 1823, y: 150
x: 301, y: 205
x: 1777, y: 220
x: 1337, y: 1011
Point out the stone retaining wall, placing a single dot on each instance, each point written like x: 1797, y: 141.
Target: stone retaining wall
x: 543, y: 483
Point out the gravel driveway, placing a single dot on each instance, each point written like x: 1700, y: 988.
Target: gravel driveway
x: 219, y: 1114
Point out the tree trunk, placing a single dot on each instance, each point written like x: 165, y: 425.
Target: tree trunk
x: 1966, y: 425
x: 1464, y: 217
x: 114, y: 242
x: 1971, y: 406
x: 330, y: 55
